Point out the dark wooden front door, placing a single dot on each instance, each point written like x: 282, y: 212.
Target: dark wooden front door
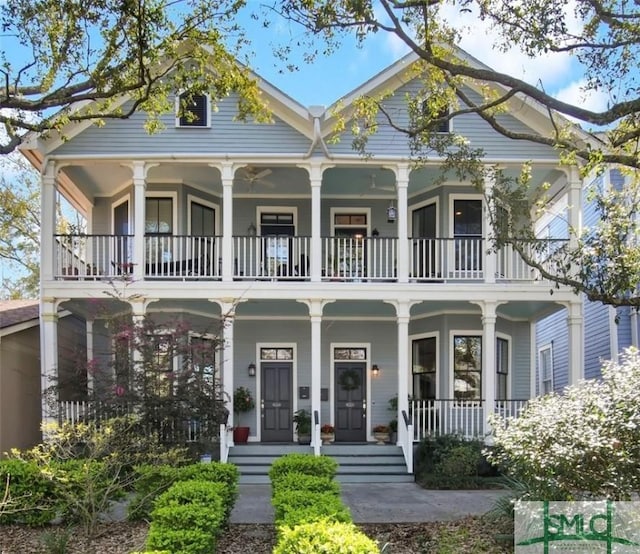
x: 351, y: 402
x: 276, y: 402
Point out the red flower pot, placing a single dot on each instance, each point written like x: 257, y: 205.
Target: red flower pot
x: 240, y: 435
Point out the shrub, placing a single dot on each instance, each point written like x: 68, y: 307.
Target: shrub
x: 326, y: 537
x: 449, y: 461
x: 293, y: 506
x: 31, y: 494
x: 180, y: 541
x: 585, y: 443
x: 189, y: 516
x: 194, y: 492
x: 320, y: 466
x: 308, y: 483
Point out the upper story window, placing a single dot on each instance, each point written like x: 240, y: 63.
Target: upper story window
x: 158, y: 216
x: 442, y: 126
x: 193, y: 110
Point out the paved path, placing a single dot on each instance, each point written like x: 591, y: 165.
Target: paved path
x: 378, y: 503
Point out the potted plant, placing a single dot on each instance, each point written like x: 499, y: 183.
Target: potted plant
x: 381, y: 433
x: 302, y: 419
x: 327, y: 433
x: 242, y: 402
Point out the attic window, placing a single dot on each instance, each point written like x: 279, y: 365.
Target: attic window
x: 441, y: 127
x: 193, y: 110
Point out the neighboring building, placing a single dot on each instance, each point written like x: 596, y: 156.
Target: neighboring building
x: 21, y: 398
x: 344, y: 281
x: 607, y: 330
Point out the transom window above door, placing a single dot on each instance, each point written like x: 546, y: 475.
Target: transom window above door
x: 350, y: 354
x: 276, y: 353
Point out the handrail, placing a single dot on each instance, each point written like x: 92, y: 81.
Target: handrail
x: 407, y: 442
x: 316, y: 433
x: 224, y: 443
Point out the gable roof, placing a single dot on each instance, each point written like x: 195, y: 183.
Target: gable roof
x: 16, y: 312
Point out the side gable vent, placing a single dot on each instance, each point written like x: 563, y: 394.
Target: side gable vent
x: 194, y: 110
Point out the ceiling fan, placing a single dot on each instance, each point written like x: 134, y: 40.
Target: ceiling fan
x: 255, y: 176
x: 374, y: 186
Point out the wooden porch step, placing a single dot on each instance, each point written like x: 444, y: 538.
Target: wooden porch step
x: 357, y: 463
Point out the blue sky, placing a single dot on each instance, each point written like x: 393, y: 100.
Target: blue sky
x: 329, y: 78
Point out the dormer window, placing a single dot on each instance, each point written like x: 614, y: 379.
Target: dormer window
x: 193, y: 110
x: 424, y: 115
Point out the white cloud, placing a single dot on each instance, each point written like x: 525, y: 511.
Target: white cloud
x: 574, y: 93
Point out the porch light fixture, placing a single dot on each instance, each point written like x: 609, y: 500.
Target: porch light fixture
x: 251, y: 230
x: 252, y: 369
x: 375, y: 370
x: 392, y: 213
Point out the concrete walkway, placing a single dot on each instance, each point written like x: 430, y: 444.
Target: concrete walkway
x: 378, y: 503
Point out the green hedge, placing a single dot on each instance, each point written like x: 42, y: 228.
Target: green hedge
x: 180, y: 541
x: 308, y: 483
x: 189, y: 516
x: 327, y: 537
x: 308, y: 464
x: 152, y: 480
x: 32, y: 498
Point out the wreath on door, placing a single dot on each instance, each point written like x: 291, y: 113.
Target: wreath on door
x: 349, y: 380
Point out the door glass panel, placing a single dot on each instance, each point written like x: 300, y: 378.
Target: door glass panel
x: 467, y: 230
x: 424, y: 368
x: 202, y: 220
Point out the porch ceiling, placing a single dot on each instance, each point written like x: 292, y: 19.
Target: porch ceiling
x: 105, y: 178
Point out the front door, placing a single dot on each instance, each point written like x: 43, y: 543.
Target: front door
x: 121, y: 232
x: 351, y: 402
x: 276, y: 402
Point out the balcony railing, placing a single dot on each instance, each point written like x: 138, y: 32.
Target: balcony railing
x: 276, y: 258
x: 465, y: 418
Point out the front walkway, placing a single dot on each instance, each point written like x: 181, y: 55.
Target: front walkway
x: 378, y: 503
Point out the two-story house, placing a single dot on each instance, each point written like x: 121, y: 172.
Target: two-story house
x: 344, y: 281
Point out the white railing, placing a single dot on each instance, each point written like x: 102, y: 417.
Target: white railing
x: 407, y: 441
x: 92, y: 256
x: 359, y: 258
x: 466, y: 418
x: 184, y: 256
x: 272, y: 257
x: 317, y: 441
x: 225, y: 442
x: 438, y: 259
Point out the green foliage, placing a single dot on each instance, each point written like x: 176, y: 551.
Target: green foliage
x: 320, y: 466
x: 189, y: 516
x: 302, y: 420
x: 194, y: 492
x: 31, y: 494
x: 449, y: 462
x: 292, y: 507
x: 582, y: 444
x: 56, y: 541
x: 309, y: 483
x: 324, y: 536
x: 243, y: 400
x: 180, y: 541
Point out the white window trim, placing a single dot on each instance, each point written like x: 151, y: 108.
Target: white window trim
x: 543, y: 348
x: 167, y: 194
x: 332, y: 379
x: 354, y: 211
x: 276, y: 210
x: 419, y: 206
x: 192, y: 199
x: 294, y: 381
x: 465, y: 196
x: 432, y: 334
x: 177, y: 111
x: 509, y: 362
x: 464, y: 333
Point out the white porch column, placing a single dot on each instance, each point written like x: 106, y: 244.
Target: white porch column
x: 488, y: 360
x: 402, y: 183
x: 487, y: 251
x: 90, y: 362
x: 575, y: 205
x: 227, y: 223
x: 315, y: 176
x: 404, y: 315
x: 48, y: 358
x: 48, y: 247
x: 576, y: 344
x: 139, y: 196
x: 315, y: 311
x: 227, y: 314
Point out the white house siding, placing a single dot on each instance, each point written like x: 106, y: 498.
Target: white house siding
x: 387, y: 141
x: 224, y: 136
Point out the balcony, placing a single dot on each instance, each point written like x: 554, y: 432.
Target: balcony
x: 283, y: 258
